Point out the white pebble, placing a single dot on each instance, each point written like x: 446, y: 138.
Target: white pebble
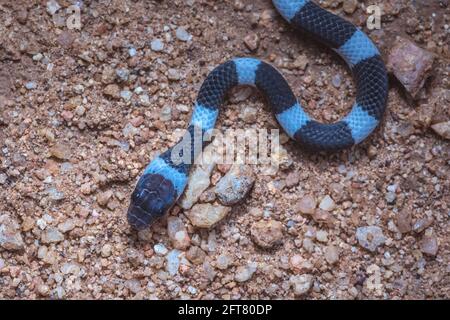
x: 160, y: 249
x: 157, y: 45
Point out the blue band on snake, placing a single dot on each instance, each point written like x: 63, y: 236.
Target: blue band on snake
x: 164, y: 179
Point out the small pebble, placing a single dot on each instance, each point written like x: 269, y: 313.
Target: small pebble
x: 429, y: 245
x: 31, y: 85
x: 327, y: 203
x: 195, y: 255
x: 252, y: 41
x: 301, y: 284
x: 336, y: 81
x: 157, y: 45
x: 306, y: 205
x: 178, y: 233
x: 331, y: 254
x: 160, y: 249
x: 370, y: 237
x: 235, y: 185
x: 182, y: 34
x: 267, y: 234
x: 125, y: 95
x: 173, y: 262
x: 223, y: 261
x: 52, y: 235
x: 244, y: 273
x: 322, y: 236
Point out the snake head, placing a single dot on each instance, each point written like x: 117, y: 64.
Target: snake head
x: 153, y: 196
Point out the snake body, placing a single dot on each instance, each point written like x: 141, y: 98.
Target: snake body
x: 164, y: 180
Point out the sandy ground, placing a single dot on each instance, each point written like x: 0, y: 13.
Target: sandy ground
x: 83, y: 111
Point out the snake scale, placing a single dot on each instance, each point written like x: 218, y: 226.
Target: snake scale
x: 164, y: 180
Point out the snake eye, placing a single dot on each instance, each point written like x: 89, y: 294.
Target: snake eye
x: 151, y: 199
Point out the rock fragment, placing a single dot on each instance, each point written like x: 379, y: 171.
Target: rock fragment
x: 157, y: 45
x: 10, y: 236
x: 404, y: 221
x: 429, y: 244
x: 244, y: 273
x: 252, y: 41
x: 410, y: 64
x: 370, y: 237
x: 301, y: 284
x: 52, y: 235
x: 199, y: 179
x: 206, y: 215
x: 442, y: 129
x: 327, y: 203
x: 331, y: 254
x: 235, y: 185
x: 178, y: 233
x: 306, y: 205
x: 267, y: 234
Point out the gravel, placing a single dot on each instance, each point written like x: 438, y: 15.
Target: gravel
x: 83, y: 113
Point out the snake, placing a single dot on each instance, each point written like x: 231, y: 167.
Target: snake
x: 164, y: 179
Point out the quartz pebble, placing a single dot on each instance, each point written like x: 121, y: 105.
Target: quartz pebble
x: 322, y: 236
x: 10, y: 236
x: 301, y: 284
x: 173, y: 262
x: 244, y: 273
x: 52, y: 7
x: 442, y: 129
x: 429, y: 245
x: 52, y: 235
x: 173, y: 74
x: 106, y: 250
x: 327, y: 203
x: 66, y: 226
x: 182, y: 34
x: 299, y: 264
x: 370, y: 237
x: 199, y: 179
x: 206, y: 215
x: 223, y: 261
x: 331, y: 254
x: 178, y: 233
x: 157, y: 45
x: 421, y: 224
x: 160, y: 249
x: 306, y: 205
